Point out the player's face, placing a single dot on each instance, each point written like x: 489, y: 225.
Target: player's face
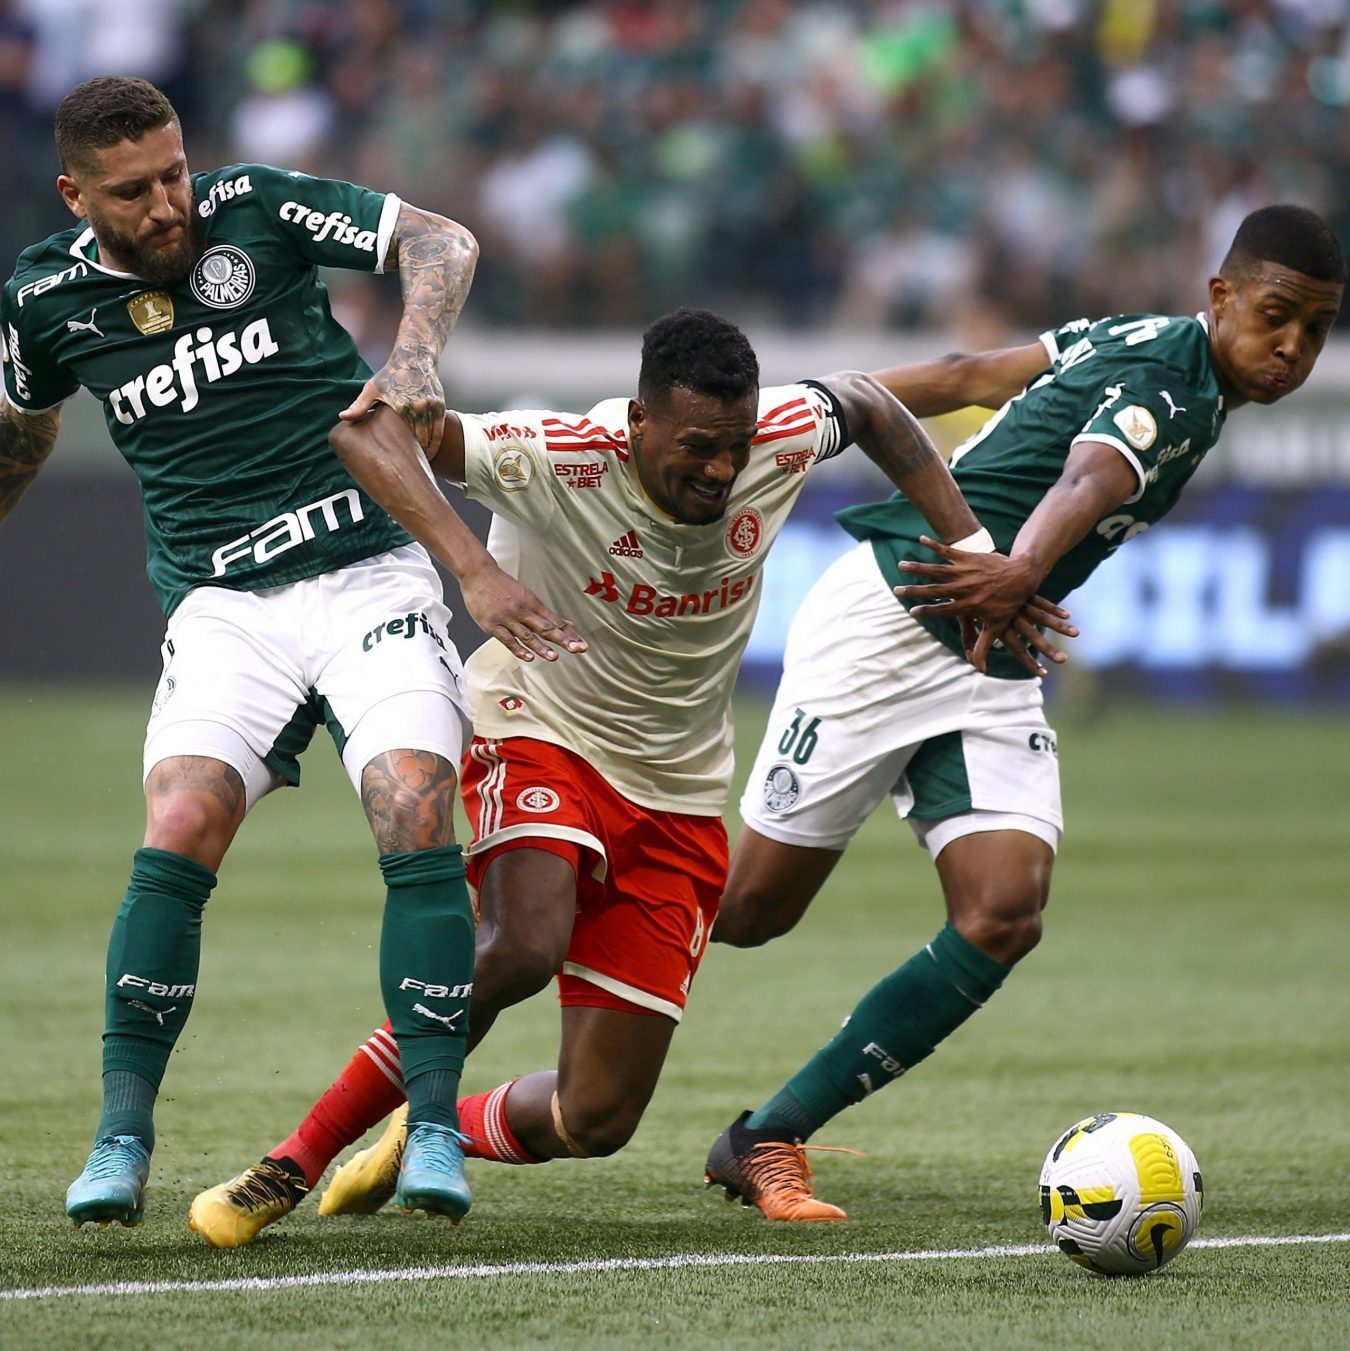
x: 689, y: 448
x: 1268, y: 330
x: 137, y: 195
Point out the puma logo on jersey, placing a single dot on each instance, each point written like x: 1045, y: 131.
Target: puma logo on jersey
x: 85, y: 326
x: 448, y: 1019
x: 176, y: 381
x: 158, y: 1014
x: 627, y: 546
x: 1173, y: 409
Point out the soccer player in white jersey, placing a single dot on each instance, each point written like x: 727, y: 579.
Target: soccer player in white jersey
x: 191, y: 306
x: 1100, y: 428
x: 595, y: 789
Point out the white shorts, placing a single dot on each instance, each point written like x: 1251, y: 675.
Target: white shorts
x: 249, y: 675
x: 870, y: 703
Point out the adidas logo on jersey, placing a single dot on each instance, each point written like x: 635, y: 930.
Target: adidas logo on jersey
x: 627, y: 546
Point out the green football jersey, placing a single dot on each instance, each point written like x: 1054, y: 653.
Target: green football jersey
x: 219, y: 391
x: 1143, y: 383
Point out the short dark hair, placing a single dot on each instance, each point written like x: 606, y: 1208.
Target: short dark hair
x: 1291, y: 236
x: 105, y: 110
x: 699, y: 351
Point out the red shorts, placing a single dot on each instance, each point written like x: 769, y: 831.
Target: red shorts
x: 648, y: 882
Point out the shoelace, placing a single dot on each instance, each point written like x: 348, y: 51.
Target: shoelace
x: 784, y: 1166
x: 265, y: 1184
x: 434, y: 1142
x: 114, y: 1156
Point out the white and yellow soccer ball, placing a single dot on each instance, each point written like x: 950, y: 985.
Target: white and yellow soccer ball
x: 1121, y: 1193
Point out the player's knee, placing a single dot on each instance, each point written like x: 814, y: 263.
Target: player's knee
x: 511, y: 965
x: 600, y: 1129
x: 750, y: 916
x: 1006, y: 931
x: 196, y: 825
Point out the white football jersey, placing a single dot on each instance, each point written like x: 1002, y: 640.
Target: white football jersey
x: 666, y: 608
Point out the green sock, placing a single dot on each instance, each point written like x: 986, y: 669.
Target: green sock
x: 128, y: 1101
x: 153, y: 955
x: 426, y: 974
x: 898, y: 1023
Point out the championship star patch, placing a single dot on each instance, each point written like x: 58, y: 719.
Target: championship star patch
x: 1137, y: 425
x: 151, y: 312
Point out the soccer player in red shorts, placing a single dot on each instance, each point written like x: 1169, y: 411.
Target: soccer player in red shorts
x: 595, y: 787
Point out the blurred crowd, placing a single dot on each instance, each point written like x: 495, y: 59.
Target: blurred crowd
x: 893, y: 164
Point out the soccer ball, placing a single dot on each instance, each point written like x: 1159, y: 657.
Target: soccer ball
x: 1121, y: 1193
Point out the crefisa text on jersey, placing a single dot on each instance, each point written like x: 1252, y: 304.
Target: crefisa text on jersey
x: 335, y: 223
x: 176, y: 382
x: 226, y: 190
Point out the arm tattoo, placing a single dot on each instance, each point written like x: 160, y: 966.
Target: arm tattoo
x: 901, y: 441
x: 409, y: 797
x: 435, y: 268
x: 25, y: 442
x: 886, y: 431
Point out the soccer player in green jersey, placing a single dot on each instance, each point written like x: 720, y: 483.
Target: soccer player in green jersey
x: 1103, y: 424
x: 190, y: 306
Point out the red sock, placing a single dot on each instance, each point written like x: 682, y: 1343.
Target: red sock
x: 483, y: 1119
x: 363, y: 1094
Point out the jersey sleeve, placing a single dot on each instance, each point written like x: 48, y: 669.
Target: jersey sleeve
x: 803, y: 424
x: 1150, y: 417
x: 506, y: 466
x: 34, y: 381
x: 326, y: 221
x: 1058, y: 341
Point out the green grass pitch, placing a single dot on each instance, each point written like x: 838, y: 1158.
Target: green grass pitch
x: 1194, y: 967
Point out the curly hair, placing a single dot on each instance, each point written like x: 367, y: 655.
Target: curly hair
x: 1291, y: 236
x: 699, y: 351
x: 105, y: 110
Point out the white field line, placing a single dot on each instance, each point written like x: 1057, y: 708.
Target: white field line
x: 684, y: 1261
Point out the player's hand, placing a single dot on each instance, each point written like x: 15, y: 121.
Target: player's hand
x: 1021, y: 639
x: 988, y: 587
x: 987, y: 593
x: 410, y: 383
x: 511, y: 613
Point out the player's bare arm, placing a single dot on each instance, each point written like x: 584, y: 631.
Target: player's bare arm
x: 1096, y: 479
x: 387, y: 462
x: 964, y: 380
x: 436, y: 259
x: 26, y: 440
x: 892, y: 438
